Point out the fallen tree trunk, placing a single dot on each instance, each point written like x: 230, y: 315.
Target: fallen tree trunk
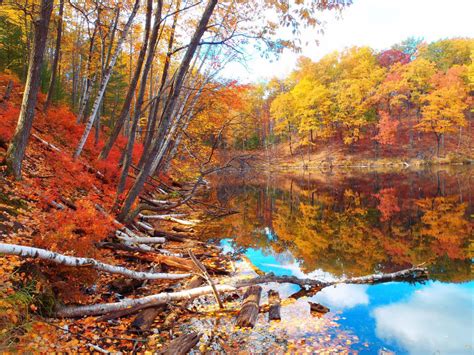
x: 30, y: 252
x: 407, y: 274
x: 147, y: 301
x: 205, y: 275
x: 169, y: 218
x: 141, y: 240
x: 165, y: 297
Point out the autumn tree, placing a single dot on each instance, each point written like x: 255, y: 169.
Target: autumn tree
x: 360, y: 74
x: 17, y: 147
x: 387, y: 129
x: 445, y: 105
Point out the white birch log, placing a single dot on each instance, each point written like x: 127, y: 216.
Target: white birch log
x: 141, y: 240
x: 161, y: 216
x: 152, y: 300
x: 49, y: 145
x: 192, y: 222
x: 30, y: 252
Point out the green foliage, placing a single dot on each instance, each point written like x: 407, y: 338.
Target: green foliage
x: 12, y: 48
x: 449, y: 52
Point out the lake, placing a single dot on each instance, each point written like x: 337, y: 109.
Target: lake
x: 349, y: 223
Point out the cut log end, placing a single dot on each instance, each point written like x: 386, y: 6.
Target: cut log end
x: 275, y: 304
x: 318, y: 309
x: 145, y: 318
x: 182, y: 345
x: 250, y: 306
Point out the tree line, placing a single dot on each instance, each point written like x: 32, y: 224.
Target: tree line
x: 400, y: 96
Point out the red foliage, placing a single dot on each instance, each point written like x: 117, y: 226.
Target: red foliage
x: 74, y: 231
x: 8, y: 119
x: 391, y: 56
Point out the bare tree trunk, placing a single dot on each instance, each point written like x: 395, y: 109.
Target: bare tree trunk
x: 54, y: 68
x: 105, y: 80
x: 124, y: 113
x: 139, y: 102
x: 151, y: 124
x: 16, y: 150
x: 89, y: 82
x: 170, y: 107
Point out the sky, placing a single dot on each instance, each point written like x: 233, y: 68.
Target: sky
x: 375, y: 23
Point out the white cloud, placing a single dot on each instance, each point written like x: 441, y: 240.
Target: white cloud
x: 436, y: 319
x: 375, y: 23
x: 342, y: 296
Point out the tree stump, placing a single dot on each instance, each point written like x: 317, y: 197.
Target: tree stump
x: 144, y: 320
x: 318, y: 308
x: 275, y: 304
x: 249, y: 312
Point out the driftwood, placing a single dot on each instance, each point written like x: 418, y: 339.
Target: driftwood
x: 249, y: 312
x: 415, y: 273
x: 170, y: 218
x: 175, y: 237
x: 144, y: 302
x: 30, y: 252
x: 318, y: 308
x: 182, y: 345
x: 172, y: 316
x: 145, y: 227
x: 205, y: 275
x: 145, y: 318
x: 120, y: 313
x: 275, y: 305
x: 141, y: 240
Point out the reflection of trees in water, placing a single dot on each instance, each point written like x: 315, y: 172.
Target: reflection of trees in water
x: 360, y: 224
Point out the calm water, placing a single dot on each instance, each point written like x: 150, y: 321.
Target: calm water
x: 334, y: 225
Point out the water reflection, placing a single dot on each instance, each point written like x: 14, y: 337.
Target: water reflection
x: 355, y: 225
x: 434, y: 319
x: 329, y: 226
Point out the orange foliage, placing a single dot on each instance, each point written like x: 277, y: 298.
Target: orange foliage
x: 388, y: 205
x: 387, y: 129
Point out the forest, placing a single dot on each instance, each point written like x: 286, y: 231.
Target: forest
x: 411, y: 101
x: 116, y: 119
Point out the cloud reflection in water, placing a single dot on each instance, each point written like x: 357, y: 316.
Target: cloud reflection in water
x: 437, y: 318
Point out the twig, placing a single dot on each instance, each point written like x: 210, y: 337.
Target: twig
x: 205, y: 275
